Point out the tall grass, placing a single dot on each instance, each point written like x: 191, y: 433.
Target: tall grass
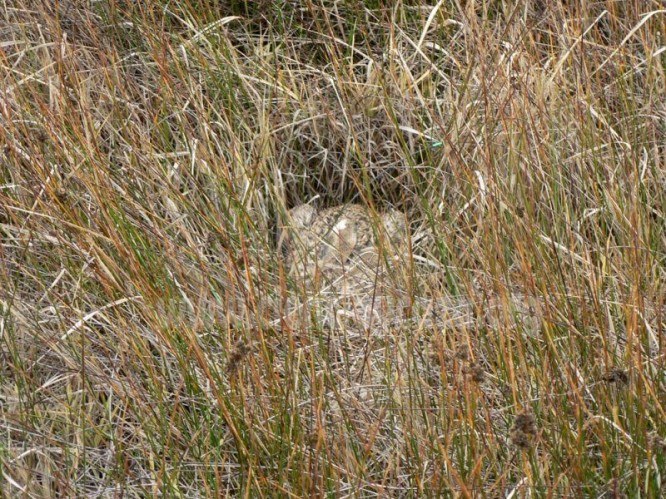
x: 149, y: 152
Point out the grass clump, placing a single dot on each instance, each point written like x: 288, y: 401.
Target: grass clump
x: 148, y: 339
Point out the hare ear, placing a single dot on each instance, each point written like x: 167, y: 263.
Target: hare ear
x: 297, y: 219
x: 345, y: 238
x: 302, y: 216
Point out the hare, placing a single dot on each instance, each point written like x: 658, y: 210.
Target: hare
x: 343, y: 251
x: 343, y: 240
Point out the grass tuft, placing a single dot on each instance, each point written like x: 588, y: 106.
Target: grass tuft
x: 152, y: 340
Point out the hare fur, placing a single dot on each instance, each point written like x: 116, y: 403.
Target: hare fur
x: 345, y: 239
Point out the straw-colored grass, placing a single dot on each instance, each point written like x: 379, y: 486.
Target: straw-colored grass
x: 152, y: 340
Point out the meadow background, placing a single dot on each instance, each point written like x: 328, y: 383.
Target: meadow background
x: 148, y: 154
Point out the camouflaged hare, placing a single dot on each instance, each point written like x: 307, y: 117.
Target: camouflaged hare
x: 343, y: 240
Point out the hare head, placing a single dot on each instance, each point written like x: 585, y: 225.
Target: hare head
x: 335, y: 240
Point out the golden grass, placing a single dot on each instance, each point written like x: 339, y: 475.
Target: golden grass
x: 148, y: 340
